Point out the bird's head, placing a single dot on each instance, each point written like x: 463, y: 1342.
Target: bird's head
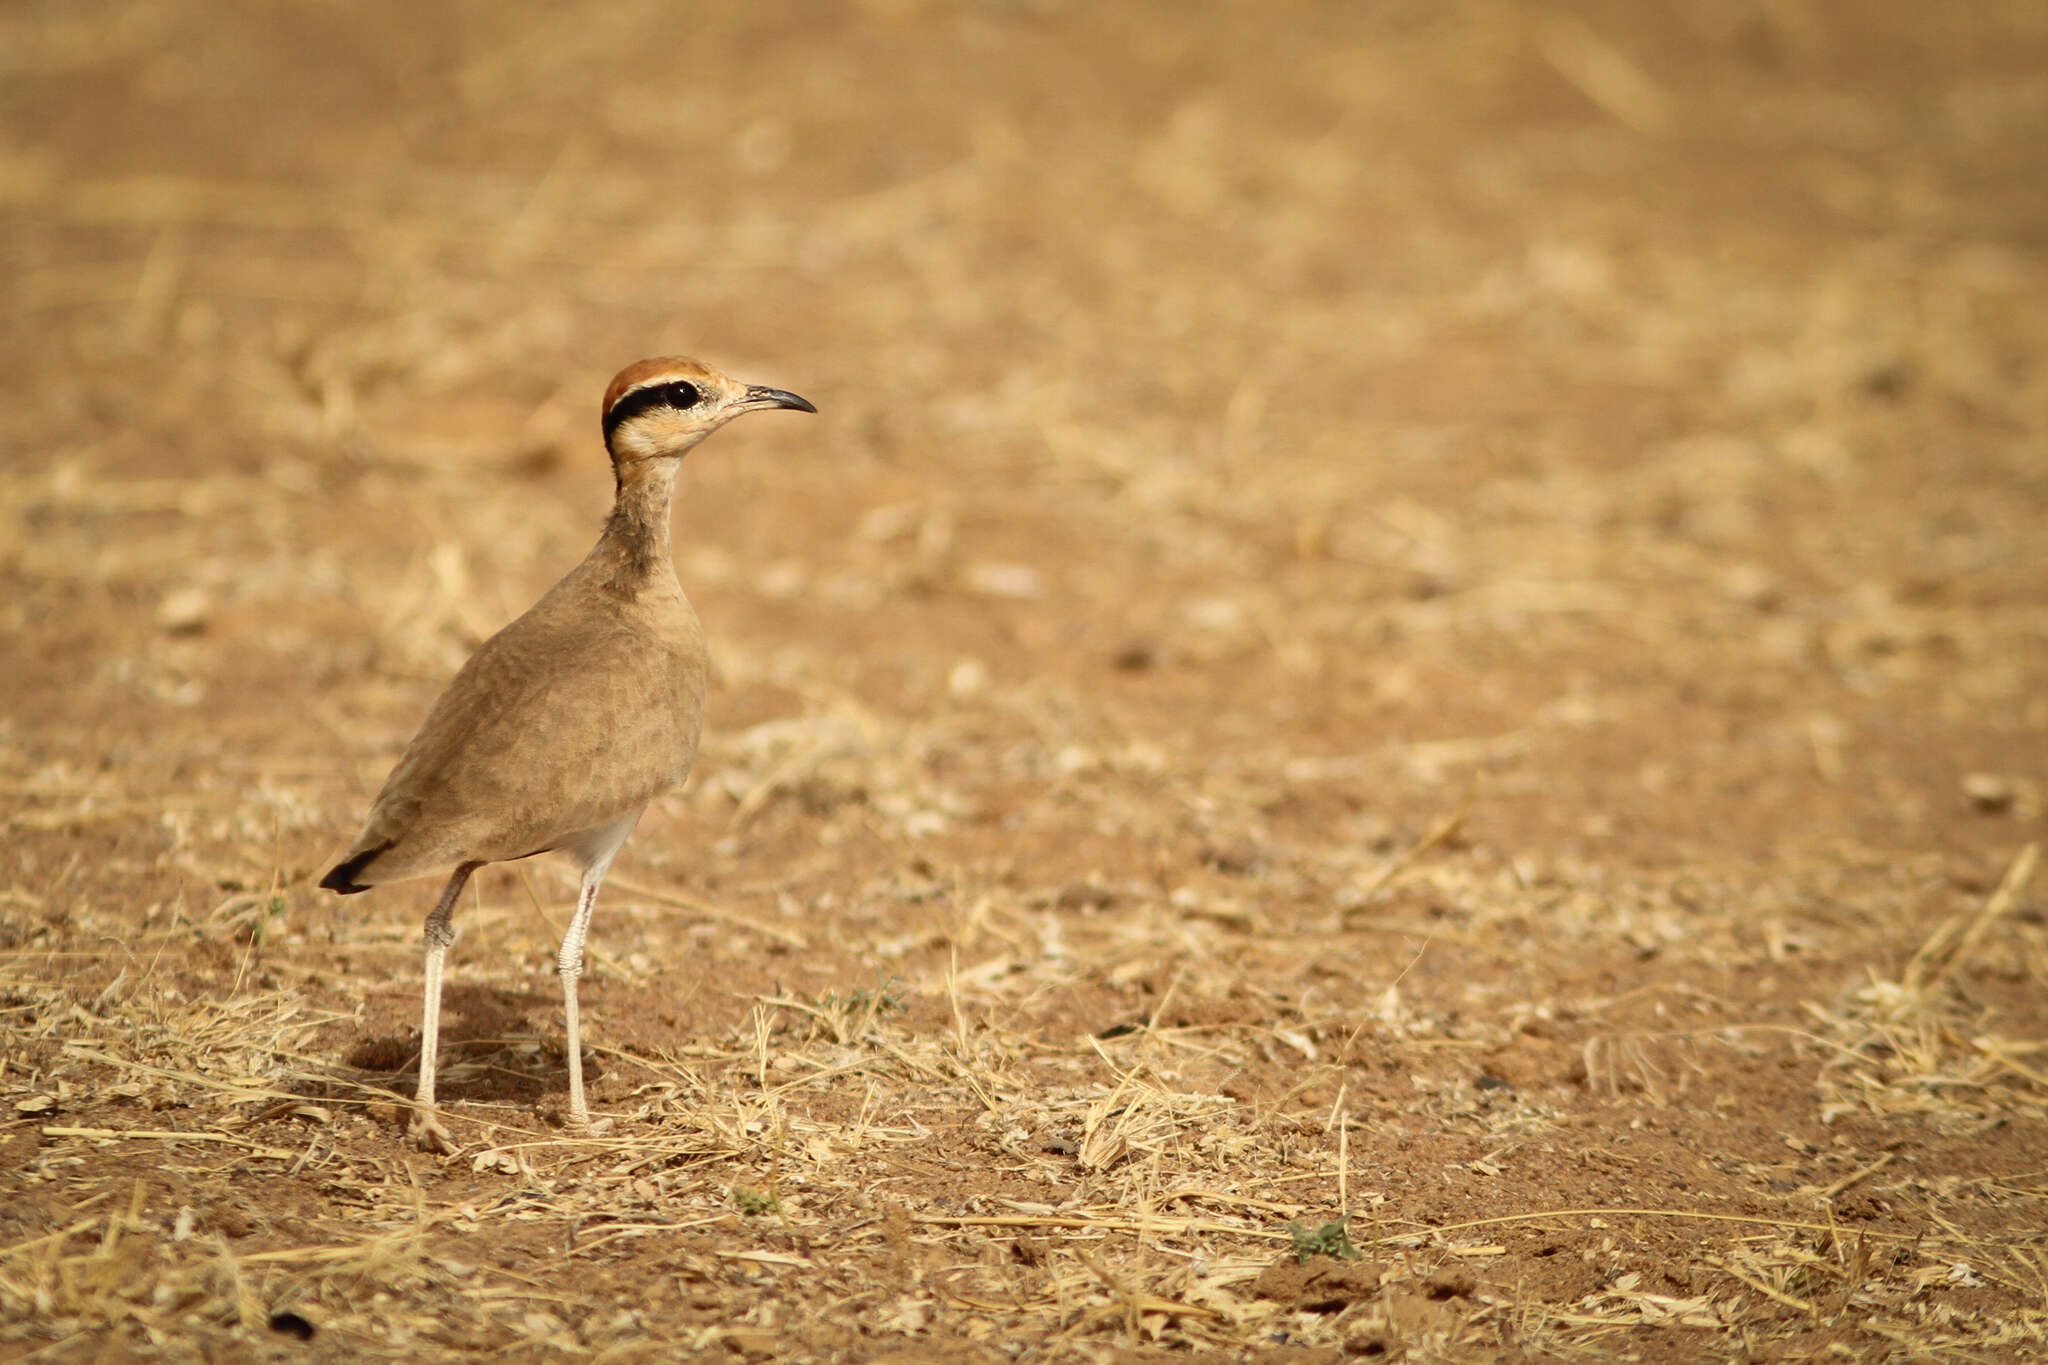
x: 657, y: 409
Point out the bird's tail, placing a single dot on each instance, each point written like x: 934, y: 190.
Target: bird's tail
x: 342, y: 876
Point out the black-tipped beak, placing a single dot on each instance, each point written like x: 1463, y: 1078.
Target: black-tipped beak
x: 760, y: 397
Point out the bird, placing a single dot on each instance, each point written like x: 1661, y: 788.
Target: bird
x: 562, y: 727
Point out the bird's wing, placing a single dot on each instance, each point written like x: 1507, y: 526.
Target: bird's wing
x: 610, y: 708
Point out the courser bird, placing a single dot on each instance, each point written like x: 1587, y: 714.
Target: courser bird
x: 564, y: 725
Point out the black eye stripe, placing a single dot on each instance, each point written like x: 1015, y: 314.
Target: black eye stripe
x: 679, y: 394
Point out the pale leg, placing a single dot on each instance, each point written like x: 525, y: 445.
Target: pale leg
x: 440, y: 934
x: 600, y: 847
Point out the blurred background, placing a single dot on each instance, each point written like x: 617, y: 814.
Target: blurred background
x: 1562, y: 381
x: 1448, y: 559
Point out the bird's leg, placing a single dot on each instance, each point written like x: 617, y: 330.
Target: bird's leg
x: 426, y: 1129
x: 569, y: 963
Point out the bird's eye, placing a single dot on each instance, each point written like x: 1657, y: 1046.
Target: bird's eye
x: 683, y: 395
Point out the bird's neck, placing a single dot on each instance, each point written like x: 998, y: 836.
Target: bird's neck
x: 635, y: 545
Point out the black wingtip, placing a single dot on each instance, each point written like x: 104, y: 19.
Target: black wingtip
x: 342, y: 876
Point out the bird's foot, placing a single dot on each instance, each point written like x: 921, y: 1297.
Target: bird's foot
x: 428, y: 1135
x: 581, y: 1122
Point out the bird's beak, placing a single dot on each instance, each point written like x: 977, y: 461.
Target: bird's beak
x: 760, y: 397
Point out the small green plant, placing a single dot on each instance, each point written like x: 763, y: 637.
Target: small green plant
x: 883, y: 999
x: 1330, y: 1239
x: 852, y: 1014
x: 754, y: 1203
x: 256, y: 917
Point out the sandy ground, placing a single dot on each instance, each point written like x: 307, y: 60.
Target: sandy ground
x: 1398, y: 708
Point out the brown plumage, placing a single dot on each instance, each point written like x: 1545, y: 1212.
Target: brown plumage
x: 564, y: 725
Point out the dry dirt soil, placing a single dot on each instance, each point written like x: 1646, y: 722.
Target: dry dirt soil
x: 1397, y: 709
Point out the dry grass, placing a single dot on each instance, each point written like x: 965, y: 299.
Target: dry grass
x: 1442, y: 656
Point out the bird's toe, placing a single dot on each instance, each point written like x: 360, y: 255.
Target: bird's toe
x: 428, y: 1134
